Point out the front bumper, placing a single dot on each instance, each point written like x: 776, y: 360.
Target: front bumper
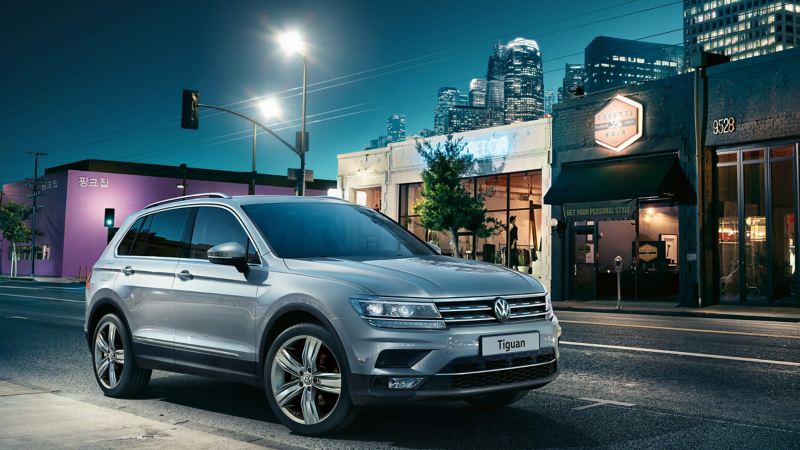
x: 454, y: 368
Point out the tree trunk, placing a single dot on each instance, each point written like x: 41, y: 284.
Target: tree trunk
x: 454, y: 242
x: 13, y: 260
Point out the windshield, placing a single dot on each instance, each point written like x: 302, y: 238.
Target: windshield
x: 334, y: 230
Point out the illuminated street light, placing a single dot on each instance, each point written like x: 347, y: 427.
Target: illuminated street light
x: 269, y: 108
x: 292, y: 42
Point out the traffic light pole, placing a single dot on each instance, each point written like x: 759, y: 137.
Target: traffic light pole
x: 256, y: 125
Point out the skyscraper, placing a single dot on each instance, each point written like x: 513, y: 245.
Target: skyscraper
x: 550, y: 99
x: 495, y: 82
x: 612, y: 62
x: 477, y: 92
x: 523, y: 88
x: 739, y: 29
x: 574, y: 78
x: 396, y: 128
x: 448, y: 97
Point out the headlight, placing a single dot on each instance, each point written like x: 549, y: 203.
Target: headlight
x: 548, y: 306
x: 398, y: 314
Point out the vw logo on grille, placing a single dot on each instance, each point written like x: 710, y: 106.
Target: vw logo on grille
x: 501, y: 309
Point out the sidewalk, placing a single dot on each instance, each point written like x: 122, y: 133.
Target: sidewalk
x: 777, y: 314
x: 34, y: 418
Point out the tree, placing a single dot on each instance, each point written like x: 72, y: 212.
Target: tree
x: 14, y: 229
x: 445, y: 204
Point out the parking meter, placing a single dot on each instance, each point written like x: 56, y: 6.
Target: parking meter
x: 618, y: 270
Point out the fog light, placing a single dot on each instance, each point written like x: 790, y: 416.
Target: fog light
x: 404, y: 383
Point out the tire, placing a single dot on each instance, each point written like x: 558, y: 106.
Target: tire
x: 498, y: 400
x: 307, y: 404
x: 118, y: 375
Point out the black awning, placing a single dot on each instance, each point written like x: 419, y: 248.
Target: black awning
x: 644, y: 177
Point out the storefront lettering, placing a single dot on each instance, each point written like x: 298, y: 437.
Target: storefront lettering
x: 610, y: 210
x: 723, y: 126
x: 492, y: 147
x: 92, y: 182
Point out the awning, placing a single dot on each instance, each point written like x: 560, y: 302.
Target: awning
x: 624, y: 179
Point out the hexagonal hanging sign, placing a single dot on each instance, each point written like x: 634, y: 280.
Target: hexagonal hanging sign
x: 618, y: 124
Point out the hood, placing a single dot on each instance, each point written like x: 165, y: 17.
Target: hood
x: 423, y: 277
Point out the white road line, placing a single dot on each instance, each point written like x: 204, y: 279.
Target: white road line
x: 43, y: 288
x: 673, y: 352
x: 599, y: 402
x: 3, y: 294
x: 691, y: 330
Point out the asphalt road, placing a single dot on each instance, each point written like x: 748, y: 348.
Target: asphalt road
x: 628, y: 382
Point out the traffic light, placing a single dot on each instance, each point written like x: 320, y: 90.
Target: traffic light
x: 109, y: 218
x: 190, y: 111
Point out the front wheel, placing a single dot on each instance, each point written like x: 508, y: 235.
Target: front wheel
x: 306, y: 380
x: 498, y: 400
x: 115, y: 366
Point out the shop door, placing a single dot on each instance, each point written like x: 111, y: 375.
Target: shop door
x: 583, y: 262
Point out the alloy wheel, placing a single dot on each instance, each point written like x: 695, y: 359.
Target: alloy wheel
x: 306, y: 380
x: 109, y: 355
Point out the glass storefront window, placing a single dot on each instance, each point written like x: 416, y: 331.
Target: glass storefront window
x: 757, y: 208
x: 495, y: 188
x: 783, y: 226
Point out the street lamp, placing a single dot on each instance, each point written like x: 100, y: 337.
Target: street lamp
x: 292, y: 43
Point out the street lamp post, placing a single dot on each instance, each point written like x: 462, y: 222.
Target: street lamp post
x: 301, y: 182
x: 252, y: 189
x: 292, y: 42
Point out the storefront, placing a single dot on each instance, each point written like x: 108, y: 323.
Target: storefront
x: 512, y: 166
x: 625, y: 184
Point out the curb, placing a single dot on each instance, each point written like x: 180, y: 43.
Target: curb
x: 701, y: 314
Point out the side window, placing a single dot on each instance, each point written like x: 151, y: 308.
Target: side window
x: 127, y: 243
x: 214, y: 226
x: 162, y: 234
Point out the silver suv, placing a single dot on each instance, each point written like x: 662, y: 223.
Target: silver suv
x: 327, y: 305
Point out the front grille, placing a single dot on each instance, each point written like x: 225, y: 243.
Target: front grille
x: 478, y: 363
x: 475, y: 311
x: 487, y: 379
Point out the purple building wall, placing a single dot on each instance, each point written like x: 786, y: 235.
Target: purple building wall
x: 71, y: 218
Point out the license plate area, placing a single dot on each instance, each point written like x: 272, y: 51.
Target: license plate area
x: 504, y: 344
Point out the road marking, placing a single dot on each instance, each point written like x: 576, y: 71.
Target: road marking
x: 673, y: 352
x: 599, y: 402
x: 43, y: 288
x: 16, y: 317
x: 692, y: 330
x: 3, y: 294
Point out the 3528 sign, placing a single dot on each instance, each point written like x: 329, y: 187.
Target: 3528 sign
x: 724, y: 125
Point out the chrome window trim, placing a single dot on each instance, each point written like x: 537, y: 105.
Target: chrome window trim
x: 495, y: 370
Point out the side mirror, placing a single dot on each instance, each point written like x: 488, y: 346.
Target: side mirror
x: 229, y: 254
x: 435, y: 248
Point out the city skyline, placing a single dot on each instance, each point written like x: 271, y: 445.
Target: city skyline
x: 135, y: 117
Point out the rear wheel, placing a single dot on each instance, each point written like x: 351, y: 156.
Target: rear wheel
x: 498, y: 400
x: 115, y: 366
x: 306, y: 381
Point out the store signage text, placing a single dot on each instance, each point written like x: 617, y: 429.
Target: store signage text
x: 618, y: 124
x: 610, y: 210
x: 92, y: 182
x: 490, y: 147
x: 724, y: 125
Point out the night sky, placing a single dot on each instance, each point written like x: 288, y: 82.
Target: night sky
x: 103, y: 79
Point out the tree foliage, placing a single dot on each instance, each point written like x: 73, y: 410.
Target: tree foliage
x: 12, y: 222
x: 445, y: 204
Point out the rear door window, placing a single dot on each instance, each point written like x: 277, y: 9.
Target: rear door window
x: 127, y: 243
x: 214, y: 226
x: 163, y: 234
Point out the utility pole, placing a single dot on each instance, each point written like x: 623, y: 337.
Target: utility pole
x: 301, y: 182
x: 36, y: 156
x: 252, y: 188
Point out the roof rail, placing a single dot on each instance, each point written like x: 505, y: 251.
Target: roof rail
x: 187, y: 197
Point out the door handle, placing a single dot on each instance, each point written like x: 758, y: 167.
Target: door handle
x: 128, y: 270
x: 185, y: 275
